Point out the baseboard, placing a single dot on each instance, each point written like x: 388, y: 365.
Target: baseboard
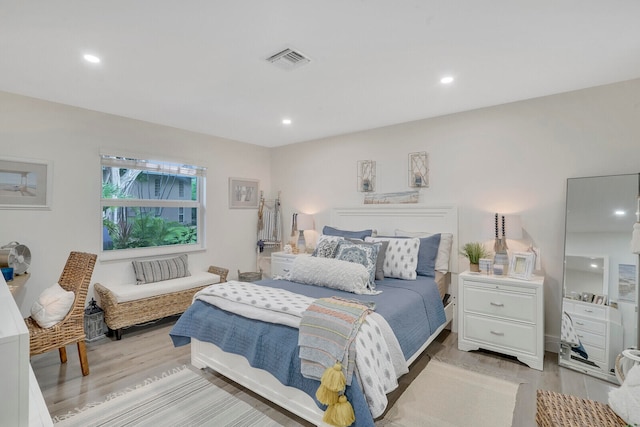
x: 552, y: 343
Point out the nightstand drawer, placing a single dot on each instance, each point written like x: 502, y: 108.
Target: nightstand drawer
x: 582, y: 324
x: 511, y: 305
x: 516, y: 336
x: 596, y: 354
x: 591, y: 310
x: 281, y: 263
x: 591, y: 339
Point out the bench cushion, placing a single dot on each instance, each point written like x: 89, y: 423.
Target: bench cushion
x: 133, y: 292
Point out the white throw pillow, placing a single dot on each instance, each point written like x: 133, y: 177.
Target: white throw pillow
x: 52, y: 306
x: 401, y: 257
x: 444, y: 250
x: 331, y: 273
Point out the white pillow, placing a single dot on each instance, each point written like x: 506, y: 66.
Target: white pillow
x: 401, y: 257
x: 444, y: 250
x: 331, y: 273
x: 52, y: 306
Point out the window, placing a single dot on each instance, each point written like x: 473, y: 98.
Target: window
x: 145, y: 205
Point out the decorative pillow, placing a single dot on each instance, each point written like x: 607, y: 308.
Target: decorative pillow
x: 366, y: 255
x: 161, y: 269
x: 379, y: 259
x: 52, y: 306
x: 427, y: 255
x: 331, y: 273
x: 444, y: 250
x: 327, y: 246
x: 330, y: 231
x: 401, y: 257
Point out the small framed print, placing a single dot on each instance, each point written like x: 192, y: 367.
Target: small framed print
x: 587, y: 297
x: 521, y: 265
x: 243, y: 193
x: 600, y: 299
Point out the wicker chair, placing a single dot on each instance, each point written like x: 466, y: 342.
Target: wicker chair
x: 561, y: 410
x: 75, y: 277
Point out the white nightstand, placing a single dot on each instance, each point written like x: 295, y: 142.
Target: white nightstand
x: 502, y: 314
x: 281, y: 263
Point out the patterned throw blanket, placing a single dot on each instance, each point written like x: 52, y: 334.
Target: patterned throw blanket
x: 327, y: 335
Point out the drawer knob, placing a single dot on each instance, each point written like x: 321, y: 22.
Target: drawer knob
x: 500, y: 334
x: 588, y: 310
x: 497, y: 304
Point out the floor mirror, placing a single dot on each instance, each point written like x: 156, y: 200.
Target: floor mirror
x: 600, y: 286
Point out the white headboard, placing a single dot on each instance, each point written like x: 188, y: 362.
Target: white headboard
x: 415, y: 217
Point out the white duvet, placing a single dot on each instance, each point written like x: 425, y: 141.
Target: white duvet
x: 376, y: 374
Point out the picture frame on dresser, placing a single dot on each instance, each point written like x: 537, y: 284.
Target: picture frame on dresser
x: 521, y: 265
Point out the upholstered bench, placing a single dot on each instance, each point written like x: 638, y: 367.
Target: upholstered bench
x: 132, y: 304
x: 561, y: 410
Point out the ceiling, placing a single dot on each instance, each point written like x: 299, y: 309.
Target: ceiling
x: 200, y: 65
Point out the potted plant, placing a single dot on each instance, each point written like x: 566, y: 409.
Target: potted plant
x: 474, y: 251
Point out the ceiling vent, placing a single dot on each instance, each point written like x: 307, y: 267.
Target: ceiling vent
x: 288, y: 59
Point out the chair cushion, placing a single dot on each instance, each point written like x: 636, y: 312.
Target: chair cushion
x: 133, y: 292
x: 52, y: 306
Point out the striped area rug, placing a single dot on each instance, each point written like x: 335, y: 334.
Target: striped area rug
x: 180, y: 398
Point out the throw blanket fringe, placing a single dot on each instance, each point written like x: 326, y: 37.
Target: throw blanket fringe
x: 327, y: 332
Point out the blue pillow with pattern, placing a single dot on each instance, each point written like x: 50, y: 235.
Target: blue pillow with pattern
x: 366, y: 255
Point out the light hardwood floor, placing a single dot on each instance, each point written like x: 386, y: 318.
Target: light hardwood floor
x: 146, y: 352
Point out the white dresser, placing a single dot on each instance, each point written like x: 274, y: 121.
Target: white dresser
x: 21, y: 402
x: 599, y: 329
x: 281, y: 263
x: 502, y: 314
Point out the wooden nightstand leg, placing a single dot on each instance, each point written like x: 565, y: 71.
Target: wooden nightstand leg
x: 63, y: 354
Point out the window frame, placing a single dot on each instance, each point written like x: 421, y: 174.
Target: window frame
x: 168, y: 166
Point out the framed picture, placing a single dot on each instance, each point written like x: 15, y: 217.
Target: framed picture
x: 243, y: 193
x: 521, y: 265
x: 600, y: 299
x: 627, y: 282
x: 25, y: 183
x: 587, y: 297
x: 418, y: 170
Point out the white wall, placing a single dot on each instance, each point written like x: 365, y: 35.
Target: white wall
x: 513, y: 158
x: 71, y: 138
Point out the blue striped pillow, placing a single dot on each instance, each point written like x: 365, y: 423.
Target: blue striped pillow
x: 161, y: 269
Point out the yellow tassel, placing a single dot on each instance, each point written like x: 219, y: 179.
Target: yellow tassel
x: 326, y: 396
x: 333, y: 378
x: 339, y: 414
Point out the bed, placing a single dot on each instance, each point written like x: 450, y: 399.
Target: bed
x: 226, y: 342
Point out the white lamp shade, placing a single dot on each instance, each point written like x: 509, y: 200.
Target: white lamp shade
x: 305, y: 222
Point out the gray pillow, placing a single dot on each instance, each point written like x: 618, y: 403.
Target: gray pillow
x: 161, y: 269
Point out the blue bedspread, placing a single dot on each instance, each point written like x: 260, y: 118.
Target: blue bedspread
x: 413, y: 309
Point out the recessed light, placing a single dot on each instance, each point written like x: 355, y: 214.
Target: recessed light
x: 620, y: 212
x: 91, y: 58
x: 286, y: 121
x: 446, y: 80
x: 594, y: 265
